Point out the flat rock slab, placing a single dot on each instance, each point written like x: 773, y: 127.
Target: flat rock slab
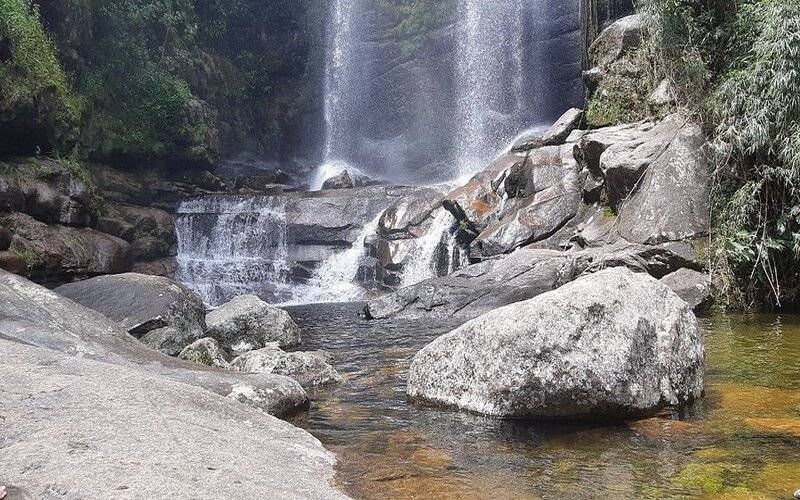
x: 77, y: 428
x: 33, y: 315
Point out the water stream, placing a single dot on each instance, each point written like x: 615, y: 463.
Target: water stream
x: 740, y: 441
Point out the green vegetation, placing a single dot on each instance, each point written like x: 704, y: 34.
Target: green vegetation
x: 37, y: 104
x: 733, y: 66
x: 414, y: 20
x: 32, y: 260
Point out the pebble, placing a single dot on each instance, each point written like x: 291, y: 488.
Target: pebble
x: 797, y: 494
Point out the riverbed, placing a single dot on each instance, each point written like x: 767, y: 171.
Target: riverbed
x: 740, y: 441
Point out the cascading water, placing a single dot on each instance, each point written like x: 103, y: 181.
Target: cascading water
x: 228, y: 246
x: 335, y: 279
x: 436, y: 253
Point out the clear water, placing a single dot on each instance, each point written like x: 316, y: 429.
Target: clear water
x: 741, y: 441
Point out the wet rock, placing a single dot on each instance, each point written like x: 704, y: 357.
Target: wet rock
x: 563, y: 127
x: 406, y: 218
x: 60, y: 252
x: 692, y: 286
x: 542, y: 195
x: 308, y: 368
x: 164, y: 437
x: 150, y: 231
x: 610, y: 345
x: 341, y: 181
x: 144, y: 304
x: 210, y: 182
x: 205, y: 351
x: 40, y: 318
x: 248, y: 323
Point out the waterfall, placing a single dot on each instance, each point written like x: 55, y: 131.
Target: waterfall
x: 335, y: 279
x: 436, y: 253
x: 228, y: 246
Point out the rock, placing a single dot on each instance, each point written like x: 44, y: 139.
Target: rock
x: 248, y: 323
x: 797, y: 494
x: 169, y: 340
x: 528, y: 142
x: 45, y: 189
x: 672, y: 201
x: 406, y: 218
x: 5, y: 239
x: 60, y: 252
x: 341, y: 181
x: 210, y: 182
x: 13, y: 263
x: 478, y: 288
x: 308, y: 368
x: 150, y: 231
x: 166, y: 267
x: 563, y: 127
x: 663, y: 95
x: 692, y: 286
x: 542, y: 195
x: 521, y: 275
x: 37, y: 317
x: 91, y: 429
x: 592, y: 145
x: 610, y: 345
x: 624, y: 163
x: 143, y: 304
x: 205, y: 351
x: 615, y: 41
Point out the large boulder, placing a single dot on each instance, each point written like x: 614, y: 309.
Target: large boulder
x: 144, y: 304
x: 619, y: 38
x: 91, y: 429
x: 610, y: 345
x: 248, y: 323
x: 563, y: 127
x: 41, y: 318
x: 150, y: 231
x: 54, y: 252
x: 310, y: 369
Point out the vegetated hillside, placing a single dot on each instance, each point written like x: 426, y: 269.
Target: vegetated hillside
x: 179, y: 81
x: 734, y: 65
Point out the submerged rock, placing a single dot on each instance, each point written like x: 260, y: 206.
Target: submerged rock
x: 205, y: 351
x: 310, y: 369
x: 248, y: 323
x: 612, y: 344
x: 143, y: 304
x: 38, y: 317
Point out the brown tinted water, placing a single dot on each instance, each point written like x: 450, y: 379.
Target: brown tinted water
x: 741, y: 441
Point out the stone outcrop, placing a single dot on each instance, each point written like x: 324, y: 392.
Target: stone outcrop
x: 168, y: 313
x: 37, y: 317
x: 150, y: 231
x: 563, y: 127
x: 58, y: 253
x: 310, y: 369
x: 522, y: 275
x: 248, y: 323
x: 611, y: 345
x: 92, y: 429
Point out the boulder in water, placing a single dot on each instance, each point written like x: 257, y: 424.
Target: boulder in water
x: 205, y: 351
x: 610, y: 345
x: 247, y: 323
x: 142, y: 304
x: 308, y: 368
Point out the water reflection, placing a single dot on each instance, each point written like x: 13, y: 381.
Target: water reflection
x: 741, y: 441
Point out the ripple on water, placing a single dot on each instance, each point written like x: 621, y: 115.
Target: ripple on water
x: 741, y: 441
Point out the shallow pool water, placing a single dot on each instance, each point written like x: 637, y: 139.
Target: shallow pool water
x: 741, y: 441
